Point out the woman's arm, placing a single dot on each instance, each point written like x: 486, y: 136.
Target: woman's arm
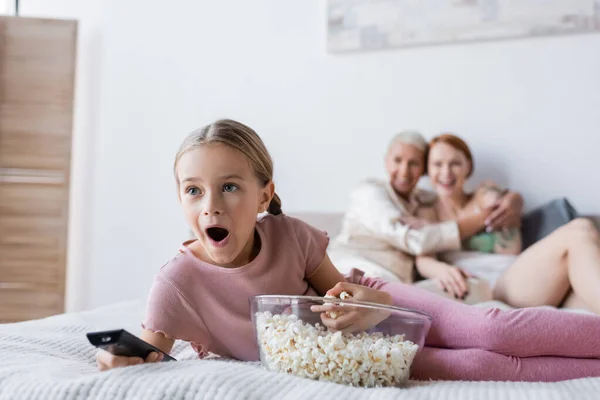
x: 507, y: 213
x: 429, y: 267
x: 449, y: 278
x: 469, y: 223
x: 487, y: 197
x: 372, y: 208
x: 505, y: 207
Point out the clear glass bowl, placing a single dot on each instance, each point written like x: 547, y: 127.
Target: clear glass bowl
x: 292, y: 339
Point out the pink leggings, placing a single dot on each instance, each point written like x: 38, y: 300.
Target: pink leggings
x: 474, y: 343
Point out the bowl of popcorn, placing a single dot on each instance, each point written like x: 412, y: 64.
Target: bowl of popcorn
x: 293, y: 339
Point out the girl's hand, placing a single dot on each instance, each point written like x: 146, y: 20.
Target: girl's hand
x: 454, y: 281
x: 354, y: 319
x: 106, y: 360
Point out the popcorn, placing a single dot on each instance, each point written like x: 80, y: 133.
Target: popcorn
x: 292, y: 346
x: 333, y: 314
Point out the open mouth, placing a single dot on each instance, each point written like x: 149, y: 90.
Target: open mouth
x: 217, y: 234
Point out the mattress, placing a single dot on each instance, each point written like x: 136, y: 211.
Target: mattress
x: 51, y: 359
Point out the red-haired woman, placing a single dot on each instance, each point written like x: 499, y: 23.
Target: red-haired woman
x: 566, y: 262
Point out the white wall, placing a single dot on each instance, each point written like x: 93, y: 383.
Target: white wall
x: 149, y: 72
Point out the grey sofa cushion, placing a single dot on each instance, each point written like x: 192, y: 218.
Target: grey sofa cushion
x: 543, y: 220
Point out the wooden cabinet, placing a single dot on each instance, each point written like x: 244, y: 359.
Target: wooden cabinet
x: 37, y: 71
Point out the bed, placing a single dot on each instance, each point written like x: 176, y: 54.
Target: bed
x: 51, y: 359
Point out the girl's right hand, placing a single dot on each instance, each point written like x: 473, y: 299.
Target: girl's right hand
x: 106, y: 360
x: 354, y: 319
x: 453, y: 280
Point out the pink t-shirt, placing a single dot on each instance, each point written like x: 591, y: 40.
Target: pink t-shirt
x: 209, y: 306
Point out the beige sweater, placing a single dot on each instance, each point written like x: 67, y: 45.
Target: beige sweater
x: 372, y: 231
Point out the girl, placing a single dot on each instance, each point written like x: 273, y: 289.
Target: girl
x: 224, y: 177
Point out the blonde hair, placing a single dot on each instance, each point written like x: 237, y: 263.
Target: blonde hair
x: 240, y: 137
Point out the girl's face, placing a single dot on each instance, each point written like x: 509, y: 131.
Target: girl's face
x: 221, y: 198
x: 405, y: 166
x: 448, y: 169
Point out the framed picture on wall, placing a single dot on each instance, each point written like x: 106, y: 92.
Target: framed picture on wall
x: 376, y: 24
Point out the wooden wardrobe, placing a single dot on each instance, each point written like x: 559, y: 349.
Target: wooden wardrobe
x: 37, y: 71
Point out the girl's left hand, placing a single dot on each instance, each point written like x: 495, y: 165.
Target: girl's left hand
x: 354, y: 319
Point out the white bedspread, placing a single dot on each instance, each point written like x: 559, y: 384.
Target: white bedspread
x: 51, y: 359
